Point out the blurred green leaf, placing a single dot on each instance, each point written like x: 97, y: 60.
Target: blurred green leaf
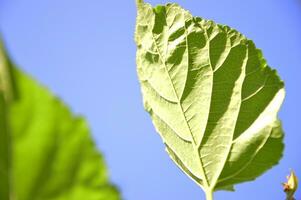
x: 52, y: 155
x: 7, y: 93
x: 211, y: 96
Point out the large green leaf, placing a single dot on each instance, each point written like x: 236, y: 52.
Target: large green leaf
x: 7, y: 95
x: 211, y: 96
x: 4, y: 153
x: 50, y: 154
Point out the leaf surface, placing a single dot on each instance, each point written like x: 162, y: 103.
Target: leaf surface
x: 53, y: 156
x: 5, y: 140
x: 210, y: 94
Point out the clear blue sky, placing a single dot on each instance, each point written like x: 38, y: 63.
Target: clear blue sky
x: 85, y: 53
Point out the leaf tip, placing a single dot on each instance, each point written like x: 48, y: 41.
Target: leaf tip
x: 139, y: 2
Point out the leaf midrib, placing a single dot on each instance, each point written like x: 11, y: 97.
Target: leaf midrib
x: 194, y: 144
x: 243, y: 72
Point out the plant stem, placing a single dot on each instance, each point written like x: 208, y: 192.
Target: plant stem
x: 209, y: 194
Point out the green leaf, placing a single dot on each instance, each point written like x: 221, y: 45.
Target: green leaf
x: 211, y: 96
x: 4, y: 152
x: 52, y: 153
x: 7, y: 94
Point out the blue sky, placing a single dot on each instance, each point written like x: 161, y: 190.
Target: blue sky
x: 85, y: 53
